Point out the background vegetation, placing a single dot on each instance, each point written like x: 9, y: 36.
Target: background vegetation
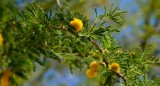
x: 23, y: 27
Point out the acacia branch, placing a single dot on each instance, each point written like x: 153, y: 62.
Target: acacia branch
x: 96, y: 45
x: 122, y: 77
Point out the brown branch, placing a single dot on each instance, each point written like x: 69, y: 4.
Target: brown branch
x: 96, y: 45
x: 118, y: 74
x: 107, y: 64
x: 58, y: 27
x: 59, y: 4
x: 122, y: 77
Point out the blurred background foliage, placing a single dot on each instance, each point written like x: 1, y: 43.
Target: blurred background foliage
x: 142, y: 26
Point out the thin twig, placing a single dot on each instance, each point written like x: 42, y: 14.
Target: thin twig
x: 59, y: 4
x: 96, y: 45
x: 122, y: 77
x: 58, y: 28
x: 106, y: 62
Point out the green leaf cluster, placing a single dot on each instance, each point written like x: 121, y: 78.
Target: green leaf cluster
x: 33, y: 35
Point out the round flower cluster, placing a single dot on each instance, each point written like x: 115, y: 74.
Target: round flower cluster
x: 77, y: 24
x: 1, y: 39
x: 4, y: 81
x: 114, y: 67
x: 92, y: 72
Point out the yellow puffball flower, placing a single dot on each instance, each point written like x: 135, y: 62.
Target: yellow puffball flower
x: 77, y: 24
x: 94, y: 66
x: 114, y: 67
x: 91, y: 74
x: 4, y: 80
x: 1, y: 39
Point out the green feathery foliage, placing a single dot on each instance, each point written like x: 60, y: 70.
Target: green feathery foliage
x: 33, y: 35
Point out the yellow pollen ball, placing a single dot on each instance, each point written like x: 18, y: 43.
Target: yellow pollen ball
x: 4, y: 80
x: 94, y: 66
x: 1, y: 39
x: 114, y: 67
x: 77, y: 24
x: 91, y: 74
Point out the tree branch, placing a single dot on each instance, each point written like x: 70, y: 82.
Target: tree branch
x: 122, y: 77
x: 59, y: 4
